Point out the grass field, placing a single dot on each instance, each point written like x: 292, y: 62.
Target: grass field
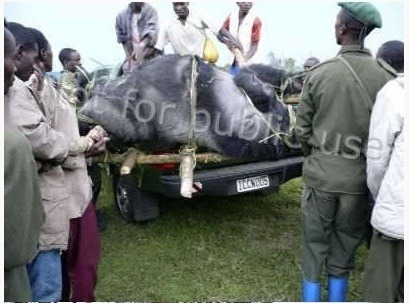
x: 225, y: 249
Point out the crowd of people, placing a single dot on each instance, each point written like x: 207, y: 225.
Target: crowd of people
x: 62, y: 218
x: 137, y: 29
x: 350, y: 125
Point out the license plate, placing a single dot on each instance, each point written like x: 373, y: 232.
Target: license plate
x: 253, y: 183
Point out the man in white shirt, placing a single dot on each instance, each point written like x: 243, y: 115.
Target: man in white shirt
x: 383, y: 281
x: 187, y: 33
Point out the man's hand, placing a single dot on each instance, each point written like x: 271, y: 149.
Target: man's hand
x: 141, y: 52
x: 36, y: 80
x: 98, y: 138
x: 148, y: 52
x: 136, y: 54
x: 97, y: 133
x: 237, y: 44
x: 97, y: 148
x: 231, y: 42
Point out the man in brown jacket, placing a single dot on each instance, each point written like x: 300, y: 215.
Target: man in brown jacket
x: 83, y: 245
x: 50, y: 150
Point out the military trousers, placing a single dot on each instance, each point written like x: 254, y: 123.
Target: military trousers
x: 333, y: 226
x: 383, y: 280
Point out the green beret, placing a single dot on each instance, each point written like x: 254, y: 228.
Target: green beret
x: 364, y: 12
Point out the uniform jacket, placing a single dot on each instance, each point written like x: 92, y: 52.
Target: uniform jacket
x: 23, y: 214
x: 148, y: 24
x: 76, y: 180
x: 68, y: 84
x: 333, y: 119
x: 47, y: 145
x: 385, y: 161
x: 75, y: 89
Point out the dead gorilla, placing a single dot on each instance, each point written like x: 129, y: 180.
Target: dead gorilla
x: 151, y: 109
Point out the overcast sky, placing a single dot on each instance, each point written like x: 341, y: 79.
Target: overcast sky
x: 291, y: 29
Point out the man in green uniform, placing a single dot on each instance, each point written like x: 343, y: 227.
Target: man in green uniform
x: 74, y: 79
x: 23, y: 209
x: 332, y: 126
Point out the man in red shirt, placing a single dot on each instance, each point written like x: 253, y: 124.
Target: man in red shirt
x: 244, y: 25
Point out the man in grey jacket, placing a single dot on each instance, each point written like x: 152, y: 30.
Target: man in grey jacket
x: 137, y: 30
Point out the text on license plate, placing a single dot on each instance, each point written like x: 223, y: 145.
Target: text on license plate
x: 253, y: 183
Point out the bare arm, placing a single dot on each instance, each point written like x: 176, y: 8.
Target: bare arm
x: 252, y: 50
x: 128, y: 48
x: 225, y: 37
x: 255, y: 39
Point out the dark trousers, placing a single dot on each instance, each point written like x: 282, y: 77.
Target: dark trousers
x: 94, y: 172
x: 80, y: 262
x: 383, y: 280
x: 333, y: 226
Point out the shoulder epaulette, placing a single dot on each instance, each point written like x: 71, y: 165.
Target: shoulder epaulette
x: 322, y: 63
x: 387, y: 67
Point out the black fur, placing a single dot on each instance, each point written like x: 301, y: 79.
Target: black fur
x: 151, y: 108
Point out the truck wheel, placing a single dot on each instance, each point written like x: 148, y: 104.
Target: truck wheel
x: 124, y: 194
x: 133, y: 203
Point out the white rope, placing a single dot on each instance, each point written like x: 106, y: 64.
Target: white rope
x: 188, y: 161
x: 193, y: 103
x: 269, y: 126
x: 275, y: 133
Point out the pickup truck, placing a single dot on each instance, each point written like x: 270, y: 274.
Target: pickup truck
x: 138, y: 193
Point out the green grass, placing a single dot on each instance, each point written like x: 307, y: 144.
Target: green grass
x: 211, y: 249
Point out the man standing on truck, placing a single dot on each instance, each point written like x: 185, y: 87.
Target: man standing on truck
x: 245, y: 25
x: 137, y: 30
x: 333, y: 126
x: 187, y: 33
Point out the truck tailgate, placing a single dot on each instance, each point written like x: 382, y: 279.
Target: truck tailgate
x: 236, y: 179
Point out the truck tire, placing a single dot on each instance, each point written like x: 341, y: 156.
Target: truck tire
x: 135, y: 204
x: 124, y: 194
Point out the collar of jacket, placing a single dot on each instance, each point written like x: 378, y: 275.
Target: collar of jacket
x: 130, y: 12
x: 353, y: 48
